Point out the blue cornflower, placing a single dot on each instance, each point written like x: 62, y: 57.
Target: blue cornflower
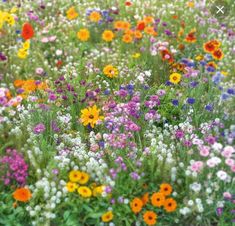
x: 175, y: 102
x: 191, y: 100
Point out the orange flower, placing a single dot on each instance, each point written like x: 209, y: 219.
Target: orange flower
x: 118, y: 24
x: 170, y: 205
x: 95, y: 16
x: 166, y: 189
x: 138, y: 34
x: 29, y: 85
x: 22, y: 194
x: 209, y: 47
x: 216, y: 43
x: 150, y: 31
x: 158, y: 199
x: 218, y: 54
x: 136, y: 205
x: 191, y: 37
x: 145, y: 198
x: 108, y: 35
x: 18, y: 83
x: 140, y: 25
x: 27, y: 31
x: 148, y: 19
x: 126, y: 25
x: 150, y: 218
x: 127, y: 38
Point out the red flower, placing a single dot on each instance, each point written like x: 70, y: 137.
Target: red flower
x: 27, y: 31
x: 141, y: 26
x: 59, y: 63
x: 127, y: 3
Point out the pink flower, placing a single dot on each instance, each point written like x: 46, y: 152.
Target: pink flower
x: 229, y: 162
x: 227, y: 152
x: 197, y: 166
x: 204, y: 150
x: 227, y: 195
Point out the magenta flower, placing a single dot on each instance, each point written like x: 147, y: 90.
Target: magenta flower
x: 39, y: 128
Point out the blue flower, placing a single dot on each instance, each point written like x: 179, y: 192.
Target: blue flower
x: 194, y: 83
x: 175, y: 102
x: 230, y: 91
x: 209, y: 107
x: 191, y: 100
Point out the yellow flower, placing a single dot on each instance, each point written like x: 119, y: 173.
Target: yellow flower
x: 224, y: 73
x: 84, y: 191
x: 95, y: 16
x: 136, y: 55
x: 98, y: 190
x: 71, y: 187
x: 22, y: 53
x: 108, y: 216
x: 190, y: 4
x: 175, y: 78
x: 13, y: 10
x: 26, y: 45
x: 199, y: 57
x: 75, y: 175
x: 83, y: 34
x: 71, y: 13
x: 90, y: 116
x: 9, y: 19
x: 84, y: 178
x: 107, y: 35
x: 110, y: 71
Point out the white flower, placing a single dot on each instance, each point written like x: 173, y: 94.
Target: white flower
x: 222, y: 175
x: 196, y: 187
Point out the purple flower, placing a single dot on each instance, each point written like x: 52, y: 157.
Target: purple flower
x: 39, y: 128
x: 175, y: 102
x: 219, y: 211
x: 190, y: 100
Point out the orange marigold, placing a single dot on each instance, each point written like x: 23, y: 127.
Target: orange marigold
x: 136, y: 205
x: 150, y: 218
x: 170, y: 205
x: 22, y: 194
x: 158, y: 199
x: 166, y: 189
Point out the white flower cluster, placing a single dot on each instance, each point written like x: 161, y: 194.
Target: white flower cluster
x: 51, y: 193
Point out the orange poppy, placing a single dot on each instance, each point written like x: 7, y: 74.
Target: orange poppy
x: 140, y: 25
x: 145, y: 198
x: 166, y: 189
x: 218, y: 54
x: 118, y: 24
x: 170, y: 205
x: 148, y: 19
x: 158, y: 199
x: 150, y: 218
x: 136, y: 205
x: 27, y: 31
x: 22, y: 194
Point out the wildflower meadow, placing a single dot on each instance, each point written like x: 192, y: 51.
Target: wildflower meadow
x: 117, y: 113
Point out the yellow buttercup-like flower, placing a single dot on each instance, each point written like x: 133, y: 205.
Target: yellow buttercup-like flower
x: 71, y: 13
x: 83, y: 34
x: 98, y: 190
x: 71, y: 187
x: 108, y: 216
x: 110, y: 71
x: 91, y: 116
x: 175, y: 78
x: 136, y: 55
x: 95, y: 16
x: 26, y: 44
x: 22, y: 53
x: 84, y: 191
x: 108, y: 35
x: 84, y: 178
x: 75, y: 175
